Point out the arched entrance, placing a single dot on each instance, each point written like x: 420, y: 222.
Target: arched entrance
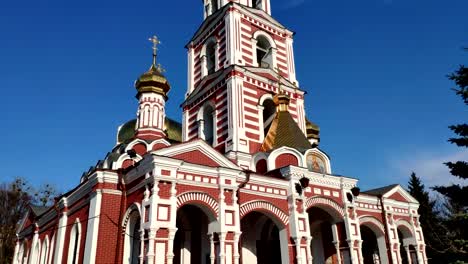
x: 194, y: 239
x: 263, y: 240
x: 328, y: 233
x: 408, y: 253
x: 374, y: 245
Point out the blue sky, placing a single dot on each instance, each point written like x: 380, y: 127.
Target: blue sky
x: 374, y: 70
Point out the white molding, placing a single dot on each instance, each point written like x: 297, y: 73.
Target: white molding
x: 93, y: 228
x: 271, y: 163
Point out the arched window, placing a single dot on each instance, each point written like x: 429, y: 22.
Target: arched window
x: 132, y: 239
x: 211, y: 7
x: 208, y: 57
x: 264, y: 52
x: 211, y: 57
x: 74, y: 246
x: 257, y: 4
x: 36, y: 253
x: 206, y: 124
x: 214, y: 6
x: 51, y: 251
x: 269, y: 113
x: 45, y: 251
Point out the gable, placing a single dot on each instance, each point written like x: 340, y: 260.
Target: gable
x: 197, y: 152
x: 400, y: 194
x: 197, y: 157
x: 398, y: 197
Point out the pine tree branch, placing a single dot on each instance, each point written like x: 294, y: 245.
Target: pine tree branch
x: 458, y: 169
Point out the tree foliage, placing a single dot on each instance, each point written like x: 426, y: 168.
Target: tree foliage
x: 15, y: 198
x: 456, y: 213
x: 433, y: 230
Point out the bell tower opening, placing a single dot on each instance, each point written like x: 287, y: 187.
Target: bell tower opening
x: 269, y: 113
x: 264, y: 53
x: 206, y: 124
x: 211, y: 57
x: 257, y: 4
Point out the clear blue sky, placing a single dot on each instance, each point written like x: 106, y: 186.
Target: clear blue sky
x: 375, y: 72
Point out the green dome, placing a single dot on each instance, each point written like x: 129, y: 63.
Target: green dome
x: 128, y: 130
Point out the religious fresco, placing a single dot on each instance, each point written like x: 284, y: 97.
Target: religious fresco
x: 315, y: 163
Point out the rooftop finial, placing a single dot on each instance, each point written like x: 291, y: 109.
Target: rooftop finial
x: 155, y: 42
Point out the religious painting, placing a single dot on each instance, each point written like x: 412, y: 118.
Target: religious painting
x: 315, y: 163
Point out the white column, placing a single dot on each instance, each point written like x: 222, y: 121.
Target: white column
x: 222, y: 254
x: 154, y: 199
x: 93, y: 228
x: 190, y: 69
x: 260, y: 122
x: 15, y: 256
x: 201, y: 127
x: 236, y: 247
x: 408, y: 254
x: 62, y: 228
x: 203, y: 69
x: 212, y: 249
x: 309, y: 252
x: 254, y: 52
x: 186, y: 248
x: 170, y: 245
x: 151, y: 245
x: 299, y: 259
x: 173, y: 226
x: 336, y: 242
x: 33, y: 256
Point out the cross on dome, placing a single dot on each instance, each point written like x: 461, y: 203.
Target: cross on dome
x: 154, y: 39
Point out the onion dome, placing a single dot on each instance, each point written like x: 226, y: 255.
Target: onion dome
x: 127, y: 131
x: 313, y: 130
x: 153, y: 80
x: 284, y: 131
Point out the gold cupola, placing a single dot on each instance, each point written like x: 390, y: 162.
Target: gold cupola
x: 153, y: 80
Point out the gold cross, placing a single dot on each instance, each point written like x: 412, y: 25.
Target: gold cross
x: 155, y: 42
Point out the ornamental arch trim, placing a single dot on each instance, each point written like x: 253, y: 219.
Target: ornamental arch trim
x: 325, y: 203
x: 264, y: 206
x: 370, y: 220
x: 198, y: 198
x: 407, y: 227
x: 128, y: 213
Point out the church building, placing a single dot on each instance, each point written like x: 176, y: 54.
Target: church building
x: 241, y: 180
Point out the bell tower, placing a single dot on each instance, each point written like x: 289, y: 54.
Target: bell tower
x: 238, y: 60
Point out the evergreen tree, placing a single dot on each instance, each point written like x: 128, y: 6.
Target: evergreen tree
x: 457, y: 195
x: 434, y: 231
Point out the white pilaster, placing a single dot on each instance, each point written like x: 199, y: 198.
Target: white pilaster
x: 93, y: 228
x: 62, y: 228
x: 33, y: 256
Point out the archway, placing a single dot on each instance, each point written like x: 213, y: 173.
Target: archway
x: 373, y: 245
x: 193, y: 243
x: 328, y: 236
x: 408, y: 253
x: 132, y: 246
x: 263, y: 240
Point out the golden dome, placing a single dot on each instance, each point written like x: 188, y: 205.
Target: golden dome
x: 153, y: 81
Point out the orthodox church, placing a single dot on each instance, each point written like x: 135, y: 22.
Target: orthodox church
x: 241, y: 180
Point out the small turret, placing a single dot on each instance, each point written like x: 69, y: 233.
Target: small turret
x: 152, y: 89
